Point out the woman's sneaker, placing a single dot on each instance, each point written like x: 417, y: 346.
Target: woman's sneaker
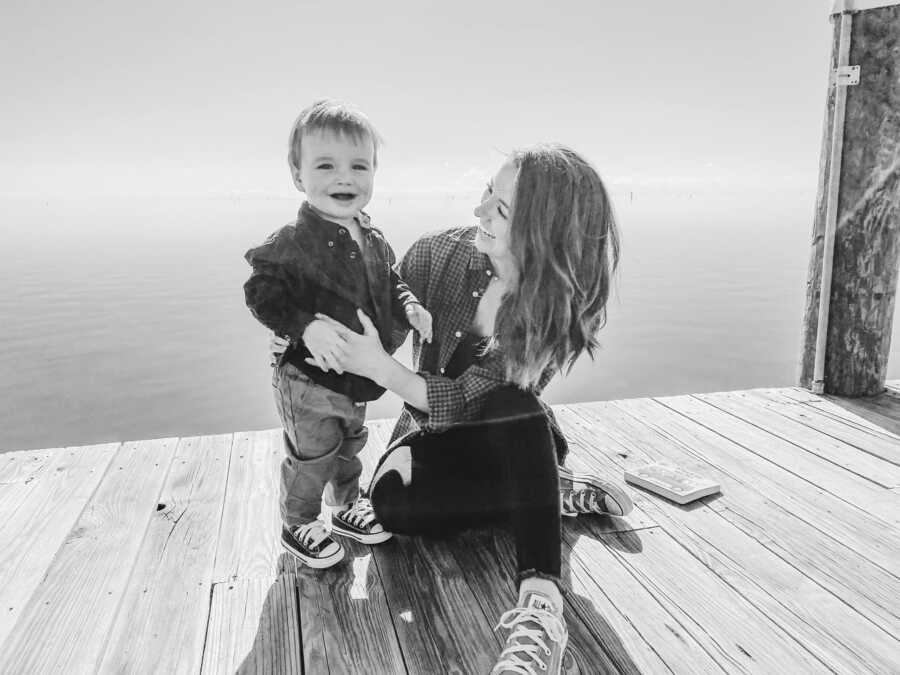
x: 311, y: 544
x: 358, y: 522
x: 586, y: 493
x: 537, y: 640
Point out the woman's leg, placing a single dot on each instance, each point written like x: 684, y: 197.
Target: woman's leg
x: 500, y: 470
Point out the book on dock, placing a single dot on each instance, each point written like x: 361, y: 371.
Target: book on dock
x: 672, y: 482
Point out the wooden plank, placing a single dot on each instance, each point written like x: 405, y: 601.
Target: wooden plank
x: 46, y: 509
x: 344, y: 614
x: 23, y: 466
x: 438, y: 621
x: 835, y: 421
x: 161, y: 622
x: 254, y: 628
x: 66, y: 621
x: 788, y: 447
x: 893, y: 385
x: 834, y: 631
x: 748, y: 498
x: 787, y: 423
x: 759, y: 460
x: 488, y: 558
x: 250, y: 535
x: 881, y: 410
x: 737, y: 635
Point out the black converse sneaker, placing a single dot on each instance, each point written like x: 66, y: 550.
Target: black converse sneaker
x: 359, y: 522
x: 537, y: 639
x: 311, y: 544
x: 586, y: 493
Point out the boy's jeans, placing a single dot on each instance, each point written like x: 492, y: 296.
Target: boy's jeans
x: 323, y: 434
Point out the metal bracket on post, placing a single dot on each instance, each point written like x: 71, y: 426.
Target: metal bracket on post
x: 846, y: 76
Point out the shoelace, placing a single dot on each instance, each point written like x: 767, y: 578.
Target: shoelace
x: 584, y: 501
x: 311, y: 534
x: 531, y: 639
x: 360, y: 514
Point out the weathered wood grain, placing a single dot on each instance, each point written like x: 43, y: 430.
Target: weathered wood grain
x: 736, y: 634
x: 347, y: 626
x: 488, y: 559
x: 438, y: 621
x: 37, y: 520
x: 24, y: 465
x: 161, y: 622
x: 249, y: 541
x: 835, y: 421
x: 254, y: 628
x: 758, y: 464
x: 66, y: 621
x: 771, y: 513
x: 785, y: 425
x: 831, y: 629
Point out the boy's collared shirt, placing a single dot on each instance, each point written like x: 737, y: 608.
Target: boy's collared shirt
x: 314, y: 266
x: 449, y: 275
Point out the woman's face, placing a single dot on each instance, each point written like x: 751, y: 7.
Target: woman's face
x: 495, y: 212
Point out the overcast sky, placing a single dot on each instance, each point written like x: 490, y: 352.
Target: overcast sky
x: 199, y: 96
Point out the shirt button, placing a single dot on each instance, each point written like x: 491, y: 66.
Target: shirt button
x: 458, y: 333
x: 488, y: 272
x: 330, y: 244
x: 442, y: 371
x: 474, y: 294
x: 342, y: 231
x: 352, y: 255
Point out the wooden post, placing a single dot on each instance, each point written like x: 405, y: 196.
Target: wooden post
x: 866, y: 253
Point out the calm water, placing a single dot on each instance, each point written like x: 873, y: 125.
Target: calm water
x: 124, y: 319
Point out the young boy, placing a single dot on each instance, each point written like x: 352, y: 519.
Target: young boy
x: 330, y: 261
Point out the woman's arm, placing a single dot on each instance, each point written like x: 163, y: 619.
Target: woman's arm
x: 364, y: 355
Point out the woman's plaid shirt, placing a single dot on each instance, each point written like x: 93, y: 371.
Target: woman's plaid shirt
x: 449, y: 275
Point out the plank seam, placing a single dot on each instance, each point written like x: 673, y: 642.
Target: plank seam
x: 101, y: 653
x: 391, y: 613
x: 775, y: 552
x: 787, y: 511
x: 625, y: 617
x: 751, y: 579
x: 846, y: 423
x: 775, y: 464
x: 212, y: 581
x: 799, y: 447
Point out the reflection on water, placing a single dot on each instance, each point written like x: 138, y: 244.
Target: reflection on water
x: 124, y: 319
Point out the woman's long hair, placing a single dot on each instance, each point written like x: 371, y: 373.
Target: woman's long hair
x: 565, y: 244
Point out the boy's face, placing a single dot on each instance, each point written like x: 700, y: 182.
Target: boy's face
x: 336, y: 173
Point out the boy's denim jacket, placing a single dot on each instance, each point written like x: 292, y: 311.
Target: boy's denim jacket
x: 313, y: 265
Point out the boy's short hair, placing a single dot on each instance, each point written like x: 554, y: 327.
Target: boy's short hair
x: 329, y: 114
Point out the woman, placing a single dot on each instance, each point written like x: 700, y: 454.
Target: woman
x: 475, y: 446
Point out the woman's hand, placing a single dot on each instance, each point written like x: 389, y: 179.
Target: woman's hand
x: 362, y: 353
x: 277, y: 347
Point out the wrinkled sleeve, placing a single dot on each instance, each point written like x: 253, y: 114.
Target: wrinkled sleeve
x: 272, y: 290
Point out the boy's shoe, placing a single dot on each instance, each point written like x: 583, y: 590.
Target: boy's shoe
x: 586, y: 493
x: 359, y: 522
x: 537, y: 641
x: 311, y: 544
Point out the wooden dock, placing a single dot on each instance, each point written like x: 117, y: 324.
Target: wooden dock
x: 162, y: 556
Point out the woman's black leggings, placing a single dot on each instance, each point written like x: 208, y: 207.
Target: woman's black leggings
x: 499, y: 471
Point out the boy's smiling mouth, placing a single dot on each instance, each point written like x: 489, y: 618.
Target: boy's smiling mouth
x: 343, y: 196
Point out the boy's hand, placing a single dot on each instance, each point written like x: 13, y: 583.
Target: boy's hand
x: 325, y: 345
x: 420, y: 319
